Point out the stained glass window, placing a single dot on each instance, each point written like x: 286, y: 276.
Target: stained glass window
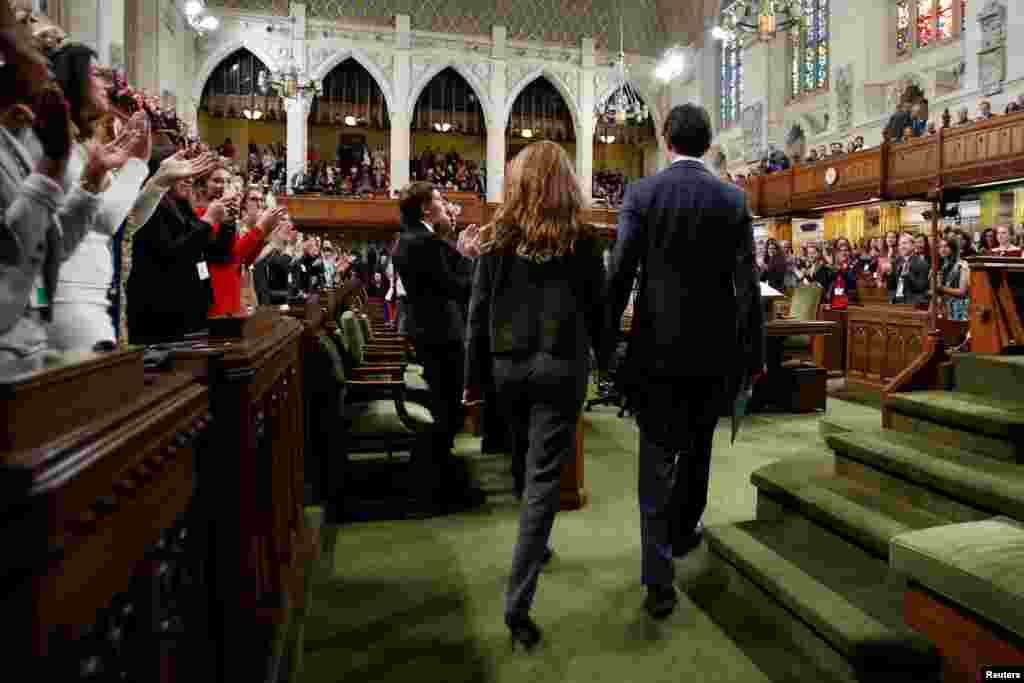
x: 925, y: 22
x: 809, y: 48
x: 731, y: 100
x: 934, y: 21
x: 902, y: 27
x: 944, y: 20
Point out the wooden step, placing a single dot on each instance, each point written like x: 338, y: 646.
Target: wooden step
x: 865, y: 506
x: 983, y: 424
x: 975, y: 480
x: 800, y: 591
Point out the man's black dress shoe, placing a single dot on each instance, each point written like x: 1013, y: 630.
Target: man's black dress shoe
x: 683, y: 545
x: 660, y: 601
x: 523, y: 631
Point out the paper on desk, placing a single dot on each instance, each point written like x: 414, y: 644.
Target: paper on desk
x: 768, y: 290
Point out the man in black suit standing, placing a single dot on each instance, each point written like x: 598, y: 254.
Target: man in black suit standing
x: 696, y: 335
x: 437, y: 292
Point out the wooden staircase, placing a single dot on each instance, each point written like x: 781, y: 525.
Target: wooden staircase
x: 813, y: 575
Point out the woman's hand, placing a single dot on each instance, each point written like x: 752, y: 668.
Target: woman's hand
x: 53, y: 124
x: 180, y: 167
x: 106, y: 158
x: 468, y: 243
x: 216, y: 212
x: 270, y: 219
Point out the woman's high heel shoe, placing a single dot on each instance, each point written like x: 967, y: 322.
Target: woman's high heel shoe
x: 524, y: 631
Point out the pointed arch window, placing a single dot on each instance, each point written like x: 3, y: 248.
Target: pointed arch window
x: 809, y: 50
x: 730, y: 102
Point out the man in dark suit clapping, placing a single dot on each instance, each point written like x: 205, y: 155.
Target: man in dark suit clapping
x: 437, y: 290
x: 696, y: 334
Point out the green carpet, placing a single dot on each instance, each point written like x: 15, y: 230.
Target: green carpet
x: 422, y: 600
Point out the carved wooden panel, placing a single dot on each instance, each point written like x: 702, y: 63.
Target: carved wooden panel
x: 987, y: 151
x: 858, y: 177
x: 913, y: 167
x: 882, y: 341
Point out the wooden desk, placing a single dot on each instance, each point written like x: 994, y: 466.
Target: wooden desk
x: 108, y: 538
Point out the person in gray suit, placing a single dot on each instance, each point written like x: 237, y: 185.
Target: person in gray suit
x: 535, y: 312
x: 696, y: 335
x: 30, y: 193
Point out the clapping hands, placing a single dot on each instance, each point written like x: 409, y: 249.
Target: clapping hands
x: 468, y: 243
x: 269, y: 220
x: 180, y: 167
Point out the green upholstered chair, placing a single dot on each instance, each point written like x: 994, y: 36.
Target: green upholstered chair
x: 803, y: 306
x: 366, y: 412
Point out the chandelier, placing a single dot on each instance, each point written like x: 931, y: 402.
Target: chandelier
x: 194, y: 10
x: 761, y: 19
x: 624, y: 103
x: 289, y: 82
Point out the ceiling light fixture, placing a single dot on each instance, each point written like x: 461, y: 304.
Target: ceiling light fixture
x: 252, y: 114
x: 623, y: 102
x: 759, y: 19
x: 526, y: 133
x: 289, y: 81
x: 194, y: 10
x: 350, y: 120
x: 607, y: 139
x: 672, y: 65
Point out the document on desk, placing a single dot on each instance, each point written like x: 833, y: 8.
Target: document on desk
x: 768, y: 290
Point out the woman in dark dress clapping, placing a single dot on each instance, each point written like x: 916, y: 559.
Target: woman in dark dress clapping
x: 534, y: 314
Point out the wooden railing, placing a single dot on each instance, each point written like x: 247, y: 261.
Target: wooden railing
x: 984, y: 152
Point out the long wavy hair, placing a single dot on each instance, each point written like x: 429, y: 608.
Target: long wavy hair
x: 540, y: 217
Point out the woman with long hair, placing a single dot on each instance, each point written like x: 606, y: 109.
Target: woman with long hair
x: 775, y: 265
x: 954, y: 280
x: 534, y: 315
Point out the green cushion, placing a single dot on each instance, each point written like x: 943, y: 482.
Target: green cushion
x: 364, y: 327
x: 334, y: 358
x: 376, y: 418
x: 976, y: 565
x: 354, y: 341
x: 804, y: 304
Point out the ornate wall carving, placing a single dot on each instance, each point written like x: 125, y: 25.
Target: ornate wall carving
x: 565, y: 79
x: 754, y: 129
x: 992, y: 55
x: 844, y: 97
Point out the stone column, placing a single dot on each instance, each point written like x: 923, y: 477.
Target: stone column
x: 401, y: 119
x: 585, y: 131
x: 297, y: 109
x: 499, y: 118
x: 142, y: 48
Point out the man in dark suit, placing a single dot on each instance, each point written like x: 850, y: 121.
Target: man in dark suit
x: 909, y: 279
x: 437, y: 292
x: 696, y: 335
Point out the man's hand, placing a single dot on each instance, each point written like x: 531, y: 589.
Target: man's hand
x: 469, y: 241
x: 472, y: 396
x: 179, y: 167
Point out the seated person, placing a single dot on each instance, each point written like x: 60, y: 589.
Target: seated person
x: 984, y: 111
x: 962, y: 117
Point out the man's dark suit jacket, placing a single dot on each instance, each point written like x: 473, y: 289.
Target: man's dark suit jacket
x: 436, y: 287
x: 916, y: 287
x: 698, y: 309
x: 522, y: 307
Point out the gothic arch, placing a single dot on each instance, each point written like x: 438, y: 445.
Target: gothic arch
x: 224, y: 51
x: 560, y: 86
x: 382, y: 80
x: 480, y: 89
